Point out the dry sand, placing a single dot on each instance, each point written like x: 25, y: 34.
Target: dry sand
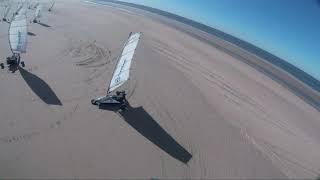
x: 186, y: 96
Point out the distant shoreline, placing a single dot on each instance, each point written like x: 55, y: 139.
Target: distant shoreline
x: 310, y: 96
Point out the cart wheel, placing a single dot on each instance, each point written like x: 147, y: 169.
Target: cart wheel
x: 22, y: 64
x: 93, y: 102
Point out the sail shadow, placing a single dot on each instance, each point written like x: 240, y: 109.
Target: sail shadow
x: 40, y: 88
x: 43, y: 24
x: 31, y: 34
x: 142, y: 122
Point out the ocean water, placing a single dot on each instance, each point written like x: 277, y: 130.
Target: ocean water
x: 281, y: 63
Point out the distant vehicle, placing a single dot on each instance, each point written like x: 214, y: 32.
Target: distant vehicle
x: 20, y: 6
x: 17, y: 39
x: 33, y: 5
x: 120, y: 75
x: 6, y: 12
x: 52, y: 4
x: 37, y: 14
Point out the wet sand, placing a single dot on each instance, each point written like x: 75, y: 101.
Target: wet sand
x: 196, y: 111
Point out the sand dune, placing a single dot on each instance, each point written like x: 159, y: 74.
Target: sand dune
x: 196, y: 111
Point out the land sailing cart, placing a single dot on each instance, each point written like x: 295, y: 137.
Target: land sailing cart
x: 17, y: 39
x: 37, y: 14
x: 120, y: 75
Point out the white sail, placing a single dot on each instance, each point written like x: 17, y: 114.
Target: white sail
x: 122, y: 70
x: 18, y: 33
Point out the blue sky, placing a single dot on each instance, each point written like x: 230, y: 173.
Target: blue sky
x: 289, y: 29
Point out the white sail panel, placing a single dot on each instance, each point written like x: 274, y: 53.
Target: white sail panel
x: 18, y: 34
x: 122, y: 70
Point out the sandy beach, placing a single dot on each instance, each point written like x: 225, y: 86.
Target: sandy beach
x: 195, y: 110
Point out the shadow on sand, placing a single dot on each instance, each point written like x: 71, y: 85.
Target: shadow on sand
x: 31, y: 34
x: 40, y: 88
x: 13, y: 68
x: 43, y: 24
x: 142, y: 122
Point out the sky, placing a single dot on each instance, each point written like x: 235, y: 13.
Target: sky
x: 289, y: 29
